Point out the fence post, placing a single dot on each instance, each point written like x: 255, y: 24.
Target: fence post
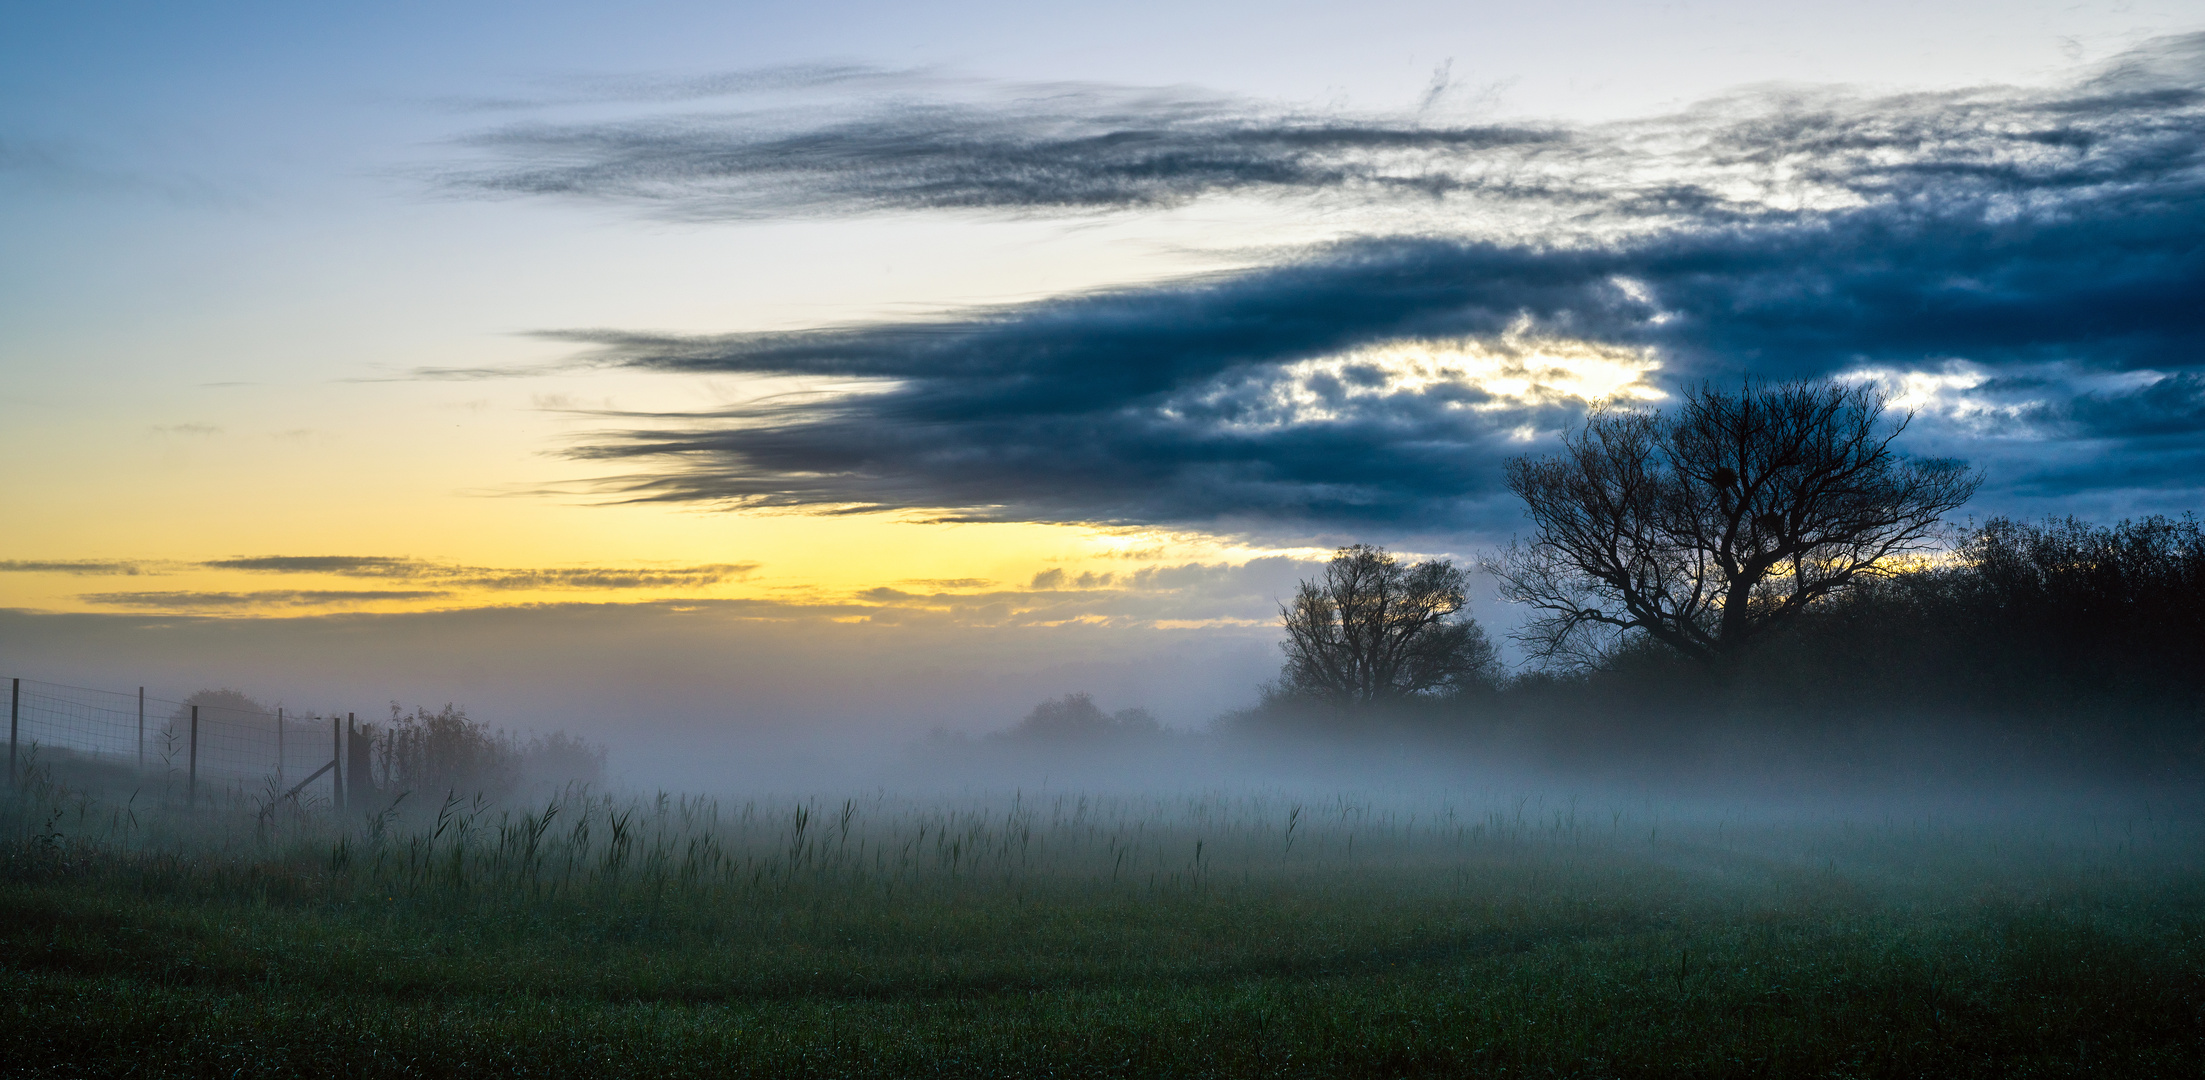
x: 191, y: 782
x: 336, y: 763
x: 15, y: 711
x: 141, y: 729
x: 279, y: 748
x: 352, y: 762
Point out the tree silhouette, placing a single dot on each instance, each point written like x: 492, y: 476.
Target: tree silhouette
x: 1708, y: 528
x: 1371, y: 630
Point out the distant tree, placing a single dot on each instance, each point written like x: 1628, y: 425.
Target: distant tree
x: 1371, y: 630
x: 560, y: 758
x: 1076, y: 717
x: 1708, y: 528
x: 228, y: 704
x: 228, y: 707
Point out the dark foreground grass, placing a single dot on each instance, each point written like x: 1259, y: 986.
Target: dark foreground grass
x: 1494, y: 949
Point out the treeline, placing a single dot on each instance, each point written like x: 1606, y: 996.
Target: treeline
x: 2063, y: 637
x: 2061, y: 642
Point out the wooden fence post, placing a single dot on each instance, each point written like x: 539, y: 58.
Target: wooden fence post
x: 279, y: 748
x: 141, y: 729
x: 15, y: 710
x: 191, y: 782
x: 357, y: 786
x: 336, y: 763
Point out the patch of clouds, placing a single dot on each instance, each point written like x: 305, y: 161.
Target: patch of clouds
x: 2015, y: 265
x: 923, y: 141
x: 2061, y: 438
x: 2047, y: 401
x: 1517, y: 369
x: 1958, y: 394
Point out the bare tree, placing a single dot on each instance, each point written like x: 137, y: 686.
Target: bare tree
x: 1372, y: 630
x: 1708, y: 528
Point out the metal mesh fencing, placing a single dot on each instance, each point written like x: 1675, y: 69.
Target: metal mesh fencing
x: 207, y: 740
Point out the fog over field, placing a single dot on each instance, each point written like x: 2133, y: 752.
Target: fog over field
x: 697, y: 701
x: 1185, y: 539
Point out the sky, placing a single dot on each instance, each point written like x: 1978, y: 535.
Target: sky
x: 698, y: 376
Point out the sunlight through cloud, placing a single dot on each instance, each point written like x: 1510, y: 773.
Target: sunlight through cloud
x: 1517, y: 369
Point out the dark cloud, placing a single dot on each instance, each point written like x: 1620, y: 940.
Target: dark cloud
x: 1776, y: 234
x: 1184, y: 403
x: 2170, y: 406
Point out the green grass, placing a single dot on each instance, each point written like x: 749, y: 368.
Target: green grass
x: 1202, y: 936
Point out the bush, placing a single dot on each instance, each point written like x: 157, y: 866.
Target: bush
x: 448, y: 751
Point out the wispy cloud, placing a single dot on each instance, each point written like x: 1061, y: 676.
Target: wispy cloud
x: 450, y: 583
x: 458, y: 576
x: 82, y: 567
x: 190, y: 600
x: 1178, y: 594
x: 356, y: 565
x: 937, y: 144
x: 1056, y: 147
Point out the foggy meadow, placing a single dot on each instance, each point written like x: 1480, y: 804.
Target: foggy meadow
x: 1346, y: 541
x: 1929, y: 811
x: 1232, y: 929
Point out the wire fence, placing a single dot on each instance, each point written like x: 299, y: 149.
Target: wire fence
x: 212, y: 740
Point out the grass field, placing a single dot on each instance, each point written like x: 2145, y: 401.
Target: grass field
x: 1069, y: 935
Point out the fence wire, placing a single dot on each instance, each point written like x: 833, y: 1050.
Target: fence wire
x: 203, y: 743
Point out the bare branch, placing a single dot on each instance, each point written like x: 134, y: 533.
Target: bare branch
x: 1708, y: 528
